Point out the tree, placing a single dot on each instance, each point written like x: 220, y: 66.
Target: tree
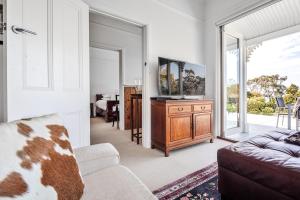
x: 298, y: 94
x: 292, y: 92
x: 192, y: 84
x: 251, y: 94
x: 289, y: 99
x: 233, y: 91
x: 268, y: 85
x: 292, y: 89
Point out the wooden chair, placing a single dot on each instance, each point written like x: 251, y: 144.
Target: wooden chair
x: 281, y: 108
x: 116, y: 116
x: 116, y: 113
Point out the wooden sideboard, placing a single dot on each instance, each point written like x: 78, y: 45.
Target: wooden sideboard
x: 179, y: 123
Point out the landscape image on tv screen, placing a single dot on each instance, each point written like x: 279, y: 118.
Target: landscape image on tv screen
x: 181, y: 78
x: 193, y: 79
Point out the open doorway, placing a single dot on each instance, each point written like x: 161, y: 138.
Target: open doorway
x: 260, y: 71
x: 105, y: 67
x: 116, y: 76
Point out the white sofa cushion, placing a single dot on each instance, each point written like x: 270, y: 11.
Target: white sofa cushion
x: 96, y: 157
x: 115, y: 183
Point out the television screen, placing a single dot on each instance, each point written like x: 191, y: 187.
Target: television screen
x: 181, y: 78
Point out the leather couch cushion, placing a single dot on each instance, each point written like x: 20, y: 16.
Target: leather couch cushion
x: 267, y: 160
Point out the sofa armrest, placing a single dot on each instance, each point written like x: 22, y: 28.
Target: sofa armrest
x: 96, y: 157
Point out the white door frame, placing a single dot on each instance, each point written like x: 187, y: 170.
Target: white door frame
x: 146, y: 111
x: 3, y: 101
x: 146, y: 104
x: 242, y: 81
x: 121, y: 75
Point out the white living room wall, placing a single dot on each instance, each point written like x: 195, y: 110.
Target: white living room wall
x: 114, y: 34
x: 192, y: 8
x: 104, y: 72
x: 172, y: 33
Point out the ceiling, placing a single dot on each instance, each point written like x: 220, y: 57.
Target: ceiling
x: 278, y: 16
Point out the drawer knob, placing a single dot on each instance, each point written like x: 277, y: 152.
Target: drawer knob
x: 180, y: 109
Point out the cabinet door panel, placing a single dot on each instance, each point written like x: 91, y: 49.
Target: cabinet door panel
x: 202, y: 125
x: 180, y: 127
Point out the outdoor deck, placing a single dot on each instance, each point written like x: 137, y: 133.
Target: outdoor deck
x: 258, y: 124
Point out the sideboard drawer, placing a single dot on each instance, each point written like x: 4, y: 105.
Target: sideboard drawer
x: 203, y: 108
x: 180, y: 109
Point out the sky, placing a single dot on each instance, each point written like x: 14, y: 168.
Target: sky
x: 277, y: 56
x: 231, y: 68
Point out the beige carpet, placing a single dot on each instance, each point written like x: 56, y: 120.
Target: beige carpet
x: 150, y: 165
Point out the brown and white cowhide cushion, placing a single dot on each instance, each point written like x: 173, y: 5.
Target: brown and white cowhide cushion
x: 37, y: 161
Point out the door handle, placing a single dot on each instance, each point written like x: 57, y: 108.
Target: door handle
x: 180, y: 109
x: 18, y: 30
x: 2, y: 27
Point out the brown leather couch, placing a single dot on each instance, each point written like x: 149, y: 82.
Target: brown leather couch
x: 262, y: 168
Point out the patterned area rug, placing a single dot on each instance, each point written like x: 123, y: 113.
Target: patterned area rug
x: 202, y: 185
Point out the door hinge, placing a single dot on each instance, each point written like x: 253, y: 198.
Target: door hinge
x: 3, y: 27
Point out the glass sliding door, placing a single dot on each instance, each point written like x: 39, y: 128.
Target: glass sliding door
x: 231, y: 84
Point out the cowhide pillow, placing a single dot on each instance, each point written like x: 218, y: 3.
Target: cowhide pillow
x: 37, y: 161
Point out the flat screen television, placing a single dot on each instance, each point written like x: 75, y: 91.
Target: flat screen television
x: 179, y: 78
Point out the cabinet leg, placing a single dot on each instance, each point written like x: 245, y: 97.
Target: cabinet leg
x: 152, y: 146
x: 167, y: 153
x: 211, y: 140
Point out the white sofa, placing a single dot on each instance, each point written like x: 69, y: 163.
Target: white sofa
x: 105, y: 178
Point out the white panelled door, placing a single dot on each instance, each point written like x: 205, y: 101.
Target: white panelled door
x: 48, y: 63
